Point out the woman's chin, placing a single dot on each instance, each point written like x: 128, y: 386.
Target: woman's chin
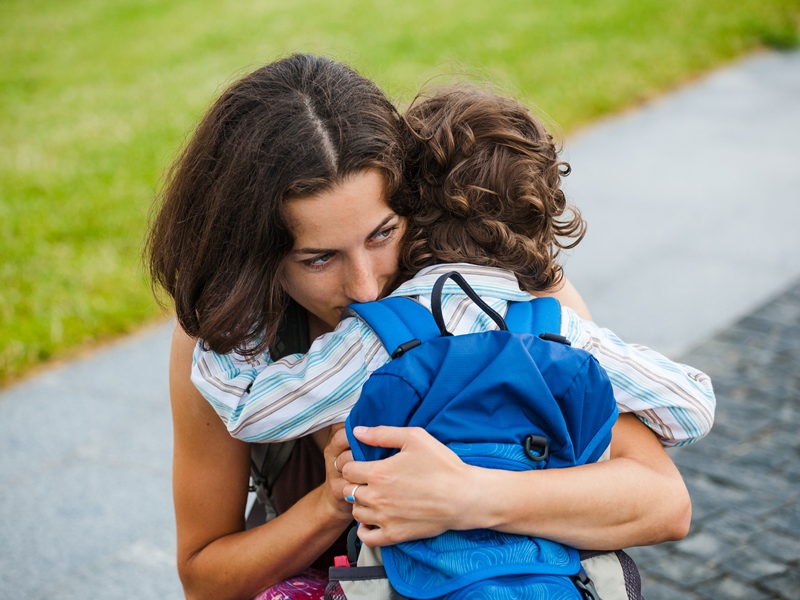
x: 319, y: 325
x: 334, y: 316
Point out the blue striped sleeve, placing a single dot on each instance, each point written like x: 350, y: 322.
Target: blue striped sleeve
x: 294, y: 396
x: 675, y: 400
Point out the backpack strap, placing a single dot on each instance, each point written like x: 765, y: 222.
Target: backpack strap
x: 537, y: 316
x: 436, y: 301
x: 267, y: 460
x: 400, y: 323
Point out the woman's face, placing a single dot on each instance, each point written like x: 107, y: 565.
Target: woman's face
x: 347, y: 243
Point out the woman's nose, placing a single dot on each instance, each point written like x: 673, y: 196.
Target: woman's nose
x: 361, y: 284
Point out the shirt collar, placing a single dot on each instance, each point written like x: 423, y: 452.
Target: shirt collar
x: 489, y: 282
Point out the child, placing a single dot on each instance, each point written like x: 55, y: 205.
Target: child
x: 490, y: 207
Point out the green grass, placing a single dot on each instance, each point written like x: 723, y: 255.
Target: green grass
x: 97, y: 97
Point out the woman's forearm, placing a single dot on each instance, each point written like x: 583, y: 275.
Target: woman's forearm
x: 216, y: 558
x: 636, y: 498
x: 582, y: 506
x: 241, y: 565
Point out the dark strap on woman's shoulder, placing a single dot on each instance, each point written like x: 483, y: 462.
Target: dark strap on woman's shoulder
x: 267, y: 461
x: 293, y: 334
x: 302, y: 469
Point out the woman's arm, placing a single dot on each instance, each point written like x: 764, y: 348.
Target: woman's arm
x: 674, y: 400
x: 635, y: 498
x: 217, y: 558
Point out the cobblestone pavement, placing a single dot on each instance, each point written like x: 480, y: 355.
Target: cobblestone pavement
x: 744, y: 478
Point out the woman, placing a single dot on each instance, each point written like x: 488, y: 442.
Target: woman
x: 308, y: 128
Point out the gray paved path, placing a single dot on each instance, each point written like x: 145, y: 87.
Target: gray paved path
x: 744, y: 478
x: 694, y: 205
x: 85, y: 491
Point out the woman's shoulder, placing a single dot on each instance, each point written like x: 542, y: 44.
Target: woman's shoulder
x: 182, y: 343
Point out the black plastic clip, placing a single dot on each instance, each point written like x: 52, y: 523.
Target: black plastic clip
x: 538, y: 443
x: 353, y: 545
x: 553, y: 337
x: 405, y: 347
x: 585, y: 586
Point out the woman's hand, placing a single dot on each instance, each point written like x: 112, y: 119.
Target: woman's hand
x: 337, y: 453
x: 636, y: 498
x: 416, y: 493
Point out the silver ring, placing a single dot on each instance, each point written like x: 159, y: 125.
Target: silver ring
x: 352, y: 497
x: 336, y: 467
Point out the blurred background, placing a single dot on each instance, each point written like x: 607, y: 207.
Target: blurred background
x: 681, y: 122
x: 97, y: 98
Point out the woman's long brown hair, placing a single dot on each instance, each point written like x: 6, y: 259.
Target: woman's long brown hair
x: 292, y: 128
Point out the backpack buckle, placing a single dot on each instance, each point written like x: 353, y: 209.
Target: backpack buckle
x: 585, y: 586
x: 552, y: 337
x: 536, y: 447
x: 353, y: 545
x: 405, y: 347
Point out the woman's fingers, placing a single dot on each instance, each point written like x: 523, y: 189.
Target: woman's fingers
x: 339, y: 448
x: 350, y: 494
x: 372, y: 536
x: 334, y: 456
x: 414, y: 493
x: 392, y: 533
x: 384, y: 436
x: 337, y: 442
x: 415, y: 445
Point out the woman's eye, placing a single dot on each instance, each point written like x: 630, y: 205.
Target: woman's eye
x: 319, y: 261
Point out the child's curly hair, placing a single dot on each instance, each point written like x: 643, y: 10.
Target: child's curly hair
x: 485, y: 181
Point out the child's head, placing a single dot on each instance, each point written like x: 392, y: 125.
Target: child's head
x: 489, y: 183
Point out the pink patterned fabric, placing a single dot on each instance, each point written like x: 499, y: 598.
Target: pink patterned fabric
x: 309, y: 585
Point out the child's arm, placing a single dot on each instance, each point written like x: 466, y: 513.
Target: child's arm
x: 676, y: 401
x: 264, y: 401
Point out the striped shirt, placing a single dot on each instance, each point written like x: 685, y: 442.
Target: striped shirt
x: 261, y: 400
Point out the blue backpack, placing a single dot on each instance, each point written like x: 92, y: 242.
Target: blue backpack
x: 516, y: 398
